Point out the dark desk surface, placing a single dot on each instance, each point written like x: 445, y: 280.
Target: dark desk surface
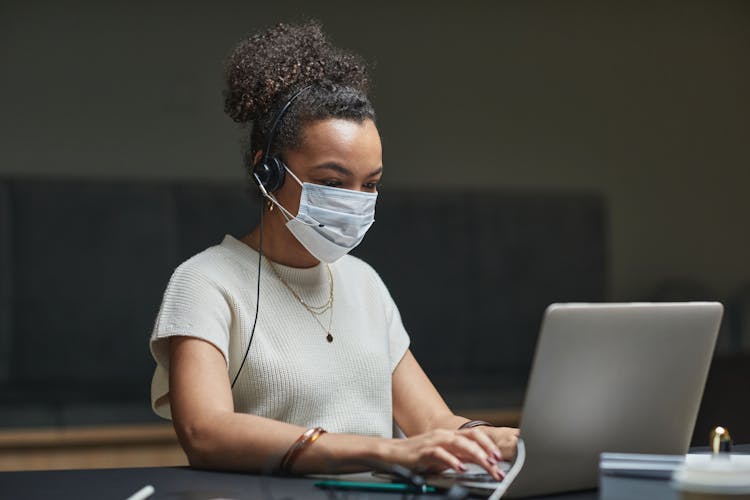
x: 179, y: 483
x: 184, y: 483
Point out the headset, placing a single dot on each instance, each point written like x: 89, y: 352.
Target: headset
x: 268, y: 174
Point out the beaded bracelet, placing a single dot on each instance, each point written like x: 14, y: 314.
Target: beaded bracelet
x: 306, y: 439
x: 474, y: 423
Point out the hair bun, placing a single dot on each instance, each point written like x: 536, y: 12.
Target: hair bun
x: 284, y: 58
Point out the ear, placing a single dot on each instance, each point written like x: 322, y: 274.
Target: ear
x: 258, y: 156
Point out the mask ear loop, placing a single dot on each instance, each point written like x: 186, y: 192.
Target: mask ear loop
x: 293, y: 176
x: 286, y: 213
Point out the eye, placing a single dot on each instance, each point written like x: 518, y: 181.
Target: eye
x: 331, y: 182
x: 371, y: 186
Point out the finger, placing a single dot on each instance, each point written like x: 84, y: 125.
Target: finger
x: 485, y: 441
x: 469, y: 450
x: 506, y: 433
x: 447, y: 459
x: 511, y: 430
x: 508, y: 448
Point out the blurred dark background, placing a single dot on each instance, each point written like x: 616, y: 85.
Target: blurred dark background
x: 535, y: 151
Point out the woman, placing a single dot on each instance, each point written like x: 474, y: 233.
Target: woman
x: 258, y: 357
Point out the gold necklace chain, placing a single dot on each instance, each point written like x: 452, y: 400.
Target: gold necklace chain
x: 329, y: 337
x: 315, y: 311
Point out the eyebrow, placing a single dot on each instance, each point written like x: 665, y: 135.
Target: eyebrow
x: 336, y: 167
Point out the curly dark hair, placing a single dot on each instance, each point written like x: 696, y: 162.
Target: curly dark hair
x: 265, y: 70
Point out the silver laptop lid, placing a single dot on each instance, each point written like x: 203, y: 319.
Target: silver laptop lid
x: 614, y: 378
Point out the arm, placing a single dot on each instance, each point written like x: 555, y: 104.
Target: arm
x: 215, y: 437
x: 417, y: 405
x: 418, y: 408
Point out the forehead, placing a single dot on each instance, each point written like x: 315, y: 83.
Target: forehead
x: 341, y: 140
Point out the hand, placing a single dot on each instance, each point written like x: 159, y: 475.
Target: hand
x: 440, y: 449
x: 505, y: 438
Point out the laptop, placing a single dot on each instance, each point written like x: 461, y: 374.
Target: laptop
x: 607, y: 378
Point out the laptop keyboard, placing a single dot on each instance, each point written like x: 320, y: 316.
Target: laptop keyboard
x: 478, y: 477
x: 475, y: 473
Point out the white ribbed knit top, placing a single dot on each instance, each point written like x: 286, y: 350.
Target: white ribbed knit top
x: 292, y: 373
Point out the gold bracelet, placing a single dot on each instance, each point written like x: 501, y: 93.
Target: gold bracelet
x: 474, y: 423
x: 306, y: 439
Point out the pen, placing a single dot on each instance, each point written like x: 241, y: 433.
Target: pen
x: 142, y: 494
x: 355, y: 485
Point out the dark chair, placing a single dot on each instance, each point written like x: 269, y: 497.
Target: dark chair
x: 84, y: 263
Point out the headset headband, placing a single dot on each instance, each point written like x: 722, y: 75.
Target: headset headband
x: 277, y: 120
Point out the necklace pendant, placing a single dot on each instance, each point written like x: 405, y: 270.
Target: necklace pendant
x: 329, y: 337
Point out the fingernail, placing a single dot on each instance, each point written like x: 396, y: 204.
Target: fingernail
x: 491, y: 460
x: 497, y: 455
x: 462, y: 467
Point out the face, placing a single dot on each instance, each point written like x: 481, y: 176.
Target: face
x: 334, y: 152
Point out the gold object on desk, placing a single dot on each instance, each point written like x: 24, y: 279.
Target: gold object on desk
x: 720, y: 476
x: 721, y: 441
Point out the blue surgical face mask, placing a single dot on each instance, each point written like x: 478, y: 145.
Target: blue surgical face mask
x: 331, y: 221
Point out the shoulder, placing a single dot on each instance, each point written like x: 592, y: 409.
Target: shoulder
x: 218, y: 264
x: 218, y: 267
x: 200, y: 267
x: 354, y: 266
x: 356, y: 270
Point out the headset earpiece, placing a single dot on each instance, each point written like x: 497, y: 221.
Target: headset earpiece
x: 269, y: 173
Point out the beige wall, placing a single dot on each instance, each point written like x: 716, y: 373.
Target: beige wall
x: 645, y: 102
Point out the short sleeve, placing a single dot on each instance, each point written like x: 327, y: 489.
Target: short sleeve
x: 193, y: 306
